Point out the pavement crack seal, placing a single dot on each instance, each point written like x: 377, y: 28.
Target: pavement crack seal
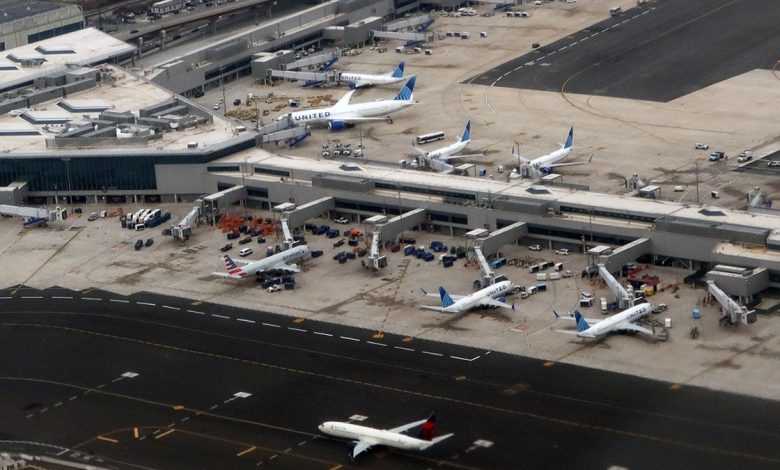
x: 59, y: 250
x: 525, y: 414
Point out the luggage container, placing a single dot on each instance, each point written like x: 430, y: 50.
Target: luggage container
x: 289, y: 285
x: 316, y: 254
x: 428, y: 257
x: 351, y: 255
x: 447, y: 264
x: 410, y: 250
x: 541, y: 276
x: 554, y: 276
x: 541, y: 287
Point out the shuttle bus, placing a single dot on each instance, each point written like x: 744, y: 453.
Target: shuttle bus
x: 432, y: 137
x: 167, y: 6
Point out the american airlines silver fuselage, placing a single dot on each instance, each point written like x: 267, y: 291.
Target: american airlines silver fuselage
x: 472, y: 300
x: 373, y: 436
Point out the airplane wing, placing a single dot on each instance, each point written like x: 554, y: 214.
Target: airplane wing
x: 589, y: 321
x: 344, y: 100
x: 406, y: 427
x: 360, y: 447
x: 554, y: 165
x: 437, y: 295
x: 567, y: 332
x: 636, y: 328
x: 455, y: 157
x: 431, y: 307
x: 288, y: 268
x: 225, y: 275
x: 495, y: 303
x: 355, y: 118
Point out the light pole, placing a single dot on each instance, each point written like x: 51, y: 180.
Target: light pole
x: 67, y: 171
x: 224, y: 100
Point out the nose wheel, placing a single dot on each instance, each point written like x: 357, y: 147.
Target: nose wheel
x: 388, y: 119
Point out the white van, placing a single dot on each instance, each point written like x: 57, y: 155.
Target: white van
x: 245, y: 252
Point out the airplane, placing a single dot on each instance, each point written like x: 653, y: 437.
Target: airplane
x: 439, y: 159
x: 592, y: 329
x: 237, y: 269
x: 358, y: 80
x: 545, y: 164
x: 342, y: 114
x: 486, y: 297
x: 364, y: 437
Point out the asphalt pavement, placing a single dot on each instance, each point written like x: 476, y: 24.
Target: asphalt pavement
x: 155, y: 382
x: 657, y: 51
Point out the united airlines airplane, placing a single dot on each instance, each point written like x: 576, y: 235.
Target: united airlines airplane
x: 486, y: 297
x: 591, y: 329
x: 358, y: 80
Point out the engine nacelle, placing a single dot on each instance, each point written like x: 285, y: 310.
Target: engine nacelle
x: 337, y: 125
x: 547, y: 170
x: 354, y: 85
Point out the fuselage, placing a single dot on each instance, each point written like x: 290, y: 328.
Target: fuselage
x: 362, y: 79
x: 370, y: 109
x: 372, y: 435
x: 448, y: 151
x: 472, y: 300
x: 550, y: 159
x: 293, y: 255
x: 615, y: 322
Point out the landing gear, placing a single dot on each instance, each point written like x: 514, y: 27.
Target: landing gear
x: 388, y: 119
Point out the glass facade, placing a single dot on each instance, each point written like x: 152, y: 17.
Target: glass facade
x: 86, y: 174
x: 50, y: 33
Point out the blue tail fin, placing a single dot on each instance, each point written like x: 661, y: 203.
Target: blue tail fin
x: 582, y: 325
x: 446, y: 300
x: 406, y: 91
x: 399, y: 71
x: 466, y: 132
x: 569, y: 139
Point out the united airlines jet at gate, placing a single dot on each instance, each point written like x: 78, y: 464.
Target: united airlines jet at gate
x: 237, y: 269
x: 363, y: 437
x: 546, y: 163
x: 343, y: 113
x: 358, y: 80
x: 486, y: 297
x: 450, y: 152
x: 592, y: 329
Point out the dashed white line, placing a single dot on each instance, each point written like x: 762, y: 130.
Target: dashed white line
x: 464, y: 359
x: 101, y: 385
x: 403, y: 348
x: 155, y: 431
x: 44, y: 410
x: 73, y: 397
x: 322, y: 334
x: 376, y: 344
x: 32, y: 297
x: 245, y: 320
x: 29, y: 415
x: 59, y: 403
x: 272, y: 325
x: 562, y: 48
x: 301, y: 443
x: 171, y: 425
x: 90, y: 298
x: 213, y: 407
x: 348, y: 338
x: 287, y: 450
x: 272, y: 457
x: 62, y: 297
x: 6, y: 298
x: 171, y: 308
x: 184, y: 419
x: 121, y: 301
x: 146, y: 303
x: 196, y: 312
x: 220, y: 316
x: 433, y: 353
x: 297, y: 329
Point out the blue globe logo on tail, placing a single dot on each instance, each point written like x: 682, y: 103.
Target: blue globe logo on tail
x: 446, y: 300
x: 399, y: 71
x: 406, y: 92
x: 466, y: 132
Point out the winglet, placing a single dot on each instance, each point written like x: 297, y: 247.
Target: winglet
x: 569, y: 139
x: 424, y: 291
x: 406, y: 93
x: 428, y: 429
x: 557, y: 317
x: 399, y: 71
x: 446, y: 300
x: 466, y: 132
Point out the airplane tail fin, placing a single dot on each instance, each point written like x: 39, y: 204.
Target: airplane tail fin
x: 582, y: 325
x: 399, y: 71
x: 466, y: 132
x: 446, y: 300
x: 569, y: 139
x: 428, y: 429
x: 229, y: 263
x: 407, y: 92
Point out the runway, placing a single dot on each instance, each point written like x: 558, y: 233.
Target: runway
x: 208, y: 386
x: 658, y: 51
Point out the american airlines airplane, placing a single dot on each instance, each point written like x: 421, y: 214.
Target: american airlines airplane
x: 486, y: 297
x: 364, y: 437
x: 546, y: 163
x: 591, y: 329
x: 358, y: 80
x: 237, y: 269
x: 340, y: 115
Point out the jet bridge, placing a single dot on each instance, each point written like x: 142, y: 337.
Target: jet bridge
x: 405, y: 221
x: 624, y: 298
x: 488, y: 276
x: 183, y: 230
x: 307, y: 76
x: 503, y: 236
x: 374, y: 261
x: 408, y: 23
x: 298, y: 216
x: 409, y: 37
x: 34, y: 216
x: 626, y: 254
x: 312, y: 59
x: 733, y: 313
x: 213, y: 205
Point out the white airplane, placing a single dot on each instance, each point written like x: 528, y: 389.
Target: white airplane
x: 281, y: 261
x: 343, y: 113
x: 486, y: 297
x: 364, y: 437
x: 439, y: 159
x: 358, y: 80
x: 592, y: 329
x: 545, y: 164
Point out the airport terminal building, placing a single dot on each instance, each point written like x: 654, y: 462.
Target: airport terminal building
x: 76, y: 128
